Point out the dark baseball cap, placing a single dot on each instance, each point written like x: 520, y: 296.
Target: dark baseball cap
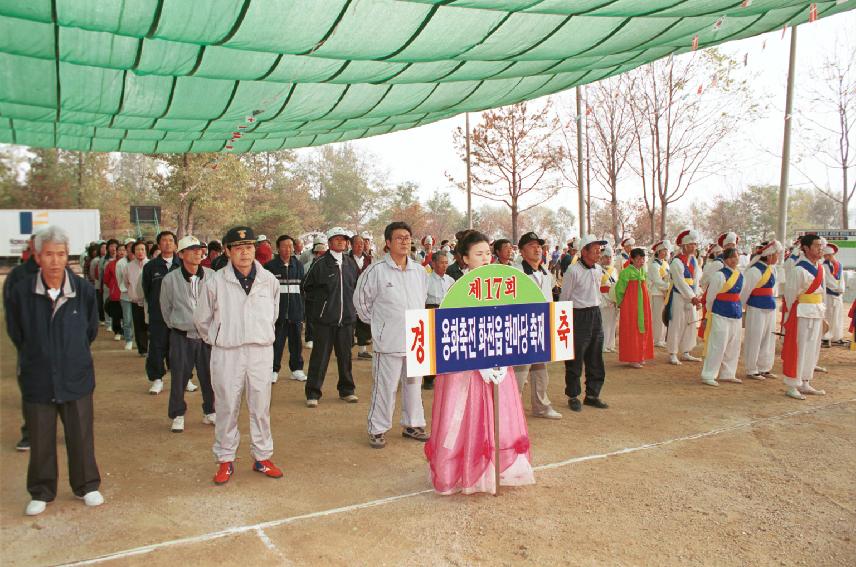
x: 529, y: 237
x: 239, y: 235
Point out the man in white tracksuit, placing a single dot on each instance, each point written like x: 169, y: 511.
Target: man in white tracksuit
x: 236, y: 314
x: 759, y: 293
x: 608, y: 308
x: 658, y: 285
x: 684, y: 273
x: 724, y: 317
x: 389, y: 287
x: 530, y: 247
x: 833, y: 278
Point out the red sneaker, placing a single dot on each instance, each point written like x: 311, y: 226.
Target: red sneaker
x: 268, y: 468
x: 224, y: 473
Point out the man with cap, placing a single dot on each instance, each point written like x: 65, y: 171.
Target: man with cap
x: 608, y: 308
x: 530, y: 247
x: 581, y: 284
x: 724, y: 316
x: 658, y: 285
x: 682, y: 300
x: 153, y: 274
x: 834, y: 280
x: 289, y: 325
x: 362, y: 331
x: 714, y: 263
x: 804, y: 293
x: 759, y: 296
x: 264, y: 252
x: 329, y: 285
x: 179, y: 295
x: 317, y: 251
x: 623, y: 259
x: 236, y: 314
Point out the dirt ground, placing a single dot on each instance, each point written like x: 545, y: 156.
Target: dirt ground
x: 674, y: 473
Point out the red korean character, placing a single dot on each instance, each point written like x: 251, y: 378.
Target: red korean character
x: 564, y: 329
x: 419, y: 338
x: 475, y: 288
x: 511, y: 286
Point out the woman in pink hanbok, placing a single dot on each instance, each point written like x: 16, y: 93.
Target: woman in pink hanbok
x: 461, y: 449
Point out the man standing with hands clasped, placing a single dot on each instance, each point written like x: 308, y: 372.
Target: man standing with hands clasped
x: 235, y: 314
x: 581, y: 284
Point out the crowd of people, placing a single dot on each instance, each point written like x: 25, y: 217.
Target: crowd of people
x: 225, y: 311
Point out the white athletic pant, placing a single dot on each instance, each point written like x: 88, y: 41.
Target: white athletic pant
x: 539, y: 380
x: 809, y: 333
x: 683, y: 330
x: 609, y: 316
x: 657, y: 305
x: 388, y: 371
x: 723, y: 348
x: 834, y: 307
x: 234, y: 371
x: 759, y: 342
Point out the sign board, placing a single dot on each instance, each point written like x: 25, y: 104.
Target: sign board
x: 146, y: 214
x: 17, y: 225
x: 844, y: 239
x: 493, y: 316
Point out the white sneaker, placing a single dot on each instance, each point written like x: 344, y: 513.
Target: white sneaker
x: 690, y: 358
x: 274, y: 376
x: 117, y: 337
x: 191, y: 387
x: 550, y: 413
x: 660, y: 345
x: 808, y: 389
x: 157, y: 387
x: 820, y: 369
x: 308, y: 344
x: 93, y: 498
x: 209, y: 419
x: 298, y: 375
x: 635, y: 365
x: 129, y: 345
x: 673, y: 359
x: 177, y: 424
x: 35, y: 507
x: 709, y: 382
x: 795, y: 394
x: 312, y: 403
x: 734, y: 380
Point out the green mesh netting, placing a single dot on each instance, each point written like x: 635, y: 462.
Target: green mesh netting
x: 185, y: 75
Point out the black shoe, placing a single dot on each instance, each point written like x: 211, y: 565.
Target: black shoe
x: 575, y: 404
x: 23, y: 445
x: 366, y: 355
x: 826, y: 344
x: 595, y: 402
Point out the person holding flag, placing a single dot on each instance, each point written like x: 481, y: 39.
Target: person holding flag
x: 724, y: 317
x: 804, y: 293
x: 636, y: 340
x: 658, y: 286
x: 759, y: 295
x: 682, y: 299
x: 835, y: 286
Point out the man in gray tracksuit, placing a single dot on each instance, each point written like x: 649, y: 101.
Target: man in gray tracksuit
x: 389, y: 287
x: 236, y: 314
x: 180, y: 290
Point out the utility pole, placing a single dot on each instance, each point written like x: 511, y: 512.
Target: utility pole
x: 469, y: 177
x: 580, y: 187
x: 588, y: 165
x: 781, y: 233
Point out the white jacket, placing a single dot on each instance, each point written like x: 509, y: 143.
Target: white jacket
x: 658, y: 277
x: 227, y: 317
x: 383, y: 293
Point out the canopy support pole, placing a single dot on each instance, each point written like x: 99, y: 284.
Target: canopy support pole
x: 781, y: 231
x: 581, y: 196
x: 469, y: 177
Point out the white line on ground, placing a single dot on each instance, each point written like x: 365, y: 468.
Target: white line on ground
x: 258, y: 528
x: 268, y: 543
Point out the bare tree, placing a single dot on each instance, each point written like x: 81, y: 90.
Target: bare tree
x: 514, y: 157
x: 684, y: 108
x: 832, y: 135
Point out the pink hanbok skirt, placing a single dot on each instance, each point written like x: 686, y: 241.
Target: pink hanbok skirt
x: 461, y: 449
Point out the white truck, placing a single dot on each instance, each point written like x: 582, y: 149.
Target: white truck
x: 16, y: 225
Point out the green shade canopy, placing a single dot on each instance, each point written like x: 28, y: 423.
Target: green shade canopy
x: 184, y: 75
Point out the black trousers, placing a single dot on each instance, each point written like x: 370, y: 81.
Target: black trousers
x: 100, y: 296
x: 25, y: 436
x: 290, y: 331
x: 114, y: 310
x: 158, y: 350
x: 363, y: 332
x: 42, y: 474
x: 141, y: 329
x: 185, y: 354
x: 328, y: 338
x: 588, y: 350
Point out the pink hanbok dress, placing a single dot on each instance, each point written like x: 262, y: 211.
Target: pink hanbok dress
x: 461, y: 449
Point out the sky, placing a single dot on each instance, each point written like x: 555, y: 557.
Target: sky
x: 425, y: 154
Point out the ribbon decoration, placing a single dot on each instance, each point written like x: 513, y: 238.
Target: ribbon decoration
x: 812, y: 12
x: 695, y: 42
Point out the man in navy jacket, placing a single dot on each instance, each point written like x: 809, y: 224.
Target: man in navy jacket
x: 153, y: 274
x: 289, y: 271
x: 52, y: 320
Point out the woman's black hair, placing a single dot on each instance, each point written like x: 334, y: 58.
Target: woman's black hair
x: 728, y: 253
x: 466, y: 240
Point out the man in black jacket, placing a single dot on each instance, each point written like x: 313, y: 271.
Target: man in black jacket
x: 152, y: 277
x: 289, y: 271
x: 329, y: 286
x: 19, y: 273
x: 52, y: 320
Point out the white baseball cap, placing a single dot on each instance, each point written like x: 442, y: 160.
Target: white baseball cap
x: 590, y: 239
x: 338, y: 231
x: 188, y: 242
